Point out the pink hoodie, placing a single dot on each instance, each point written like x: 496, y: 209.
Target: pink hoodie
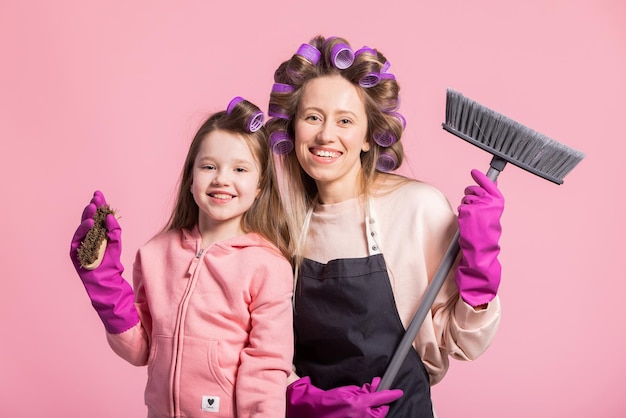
x: 216, y: 326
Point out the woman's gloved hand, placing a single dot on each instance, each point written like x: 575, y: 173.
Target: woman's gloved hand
x: 110, y: 294
x: 478, y: 272
x: 307, y: 401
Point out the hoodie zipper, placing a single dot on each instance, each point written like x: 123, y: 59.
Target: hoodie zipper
x: 179, y: 331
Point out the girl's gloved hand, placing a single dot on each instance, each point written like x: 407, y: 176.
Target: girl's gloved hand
x: 478, y: 273
x: 110, y: 294
x: 307, y: 401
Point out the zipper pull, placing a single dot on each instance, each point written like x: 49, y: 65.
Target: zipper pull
x: 194, y: 263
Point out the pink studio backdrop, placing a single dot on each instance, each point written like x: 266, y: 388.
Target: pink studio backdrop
x: 107, y: 95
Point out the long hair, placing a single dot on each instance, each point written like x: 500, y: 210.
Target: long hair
x: 266, y: 216
x: 381, y: 104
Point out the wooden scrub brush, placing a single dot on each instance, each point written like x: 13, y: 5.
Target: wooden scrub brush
x: 91, y: 251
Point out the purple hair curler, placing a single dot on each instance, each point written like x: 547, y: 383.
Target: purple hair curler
x: 369, y: 80
x: 373, y: 78
x: 365, y: 49
x: 282, y: 88
x: 309, y: 53
x: 234, y: 102
x: 387, y: 76
x: 390, y: 105
x: 386, y: 162
x: 400, y: 117
x: 277, y: 111
x: 281, y: 143
x: 384, y: 138
x: 256, y: 122
x: 342, y: 56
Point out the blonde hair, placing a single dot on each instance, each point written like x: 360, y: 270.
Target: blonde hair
x: 266, y: 216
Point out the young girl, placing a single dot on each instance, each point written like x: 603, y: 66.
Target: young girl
x: 369, y: 241
x: 212, y: 314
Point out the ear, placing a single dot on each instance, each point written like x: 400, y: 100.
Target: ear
x: 366, y: 145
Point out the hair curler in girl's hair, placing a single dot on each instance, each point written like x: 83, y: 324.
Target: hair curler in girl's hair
x: 281, y: 143
x: 256, y: 120
x: 309, y: 53
x: 386, y: 162
x: 234, y: 102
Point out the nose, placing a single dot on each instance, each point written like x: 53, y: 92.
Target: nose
x: 221, y: 177
x: 326, y: 133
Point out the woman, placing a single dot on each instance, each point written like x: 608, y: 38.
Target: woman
x: 368, y: 241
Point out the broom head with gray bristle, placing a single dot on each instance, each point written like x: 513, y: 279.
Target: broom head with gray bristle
x: 508, y: 140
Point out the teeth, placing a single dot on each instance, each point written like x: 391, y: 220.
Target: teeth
x: 221, y: 196
x: 327, y: 154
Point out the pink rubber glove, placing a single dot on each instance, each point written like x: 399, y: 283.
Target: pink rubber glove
x: 307, y: 401
x: 111, y: 295
x: 478, y: 273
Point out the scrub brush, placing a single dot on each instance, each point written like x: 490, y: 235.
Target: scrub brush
x: 94, y: 245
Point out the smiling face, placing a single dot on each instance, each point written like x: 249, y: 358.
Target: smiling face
x: 225, y: 184
x: 330, y: 134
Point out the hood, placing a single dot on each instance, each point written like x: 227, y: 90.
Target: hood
x: 193, y: 240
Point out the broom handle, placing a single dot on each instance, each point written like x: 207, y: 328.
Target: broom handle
x: 429, y: 296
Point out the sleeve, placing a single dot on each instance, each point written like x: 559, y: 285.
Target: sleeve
x: 471, y: 332
x: 460, y: 331
x: 133, y: 345
x: 267, y: 360
x: 420, y: 227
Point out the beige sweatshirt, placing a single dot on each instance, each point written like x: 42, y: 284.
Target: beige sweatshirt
x: 413, y: 226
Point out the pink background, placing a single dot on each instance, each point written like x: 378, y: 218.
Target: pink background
x: 107, y: 95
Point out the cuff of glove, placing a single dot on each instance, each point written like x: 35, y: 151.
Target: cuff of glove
x: 119, y: 320
x: 478, y: 281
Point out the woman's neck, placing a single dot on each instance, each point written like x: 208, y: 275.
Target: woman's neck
x: 337, y: 192
x: 329, y: 198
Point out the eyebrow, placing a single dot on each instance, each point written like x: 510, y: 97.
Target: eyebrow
x: 211, y: 158
x: 338, y: 112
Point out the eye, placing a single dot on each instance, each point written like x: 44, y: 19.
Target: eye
x: 208, y: 167
x: 345, y: 121
x: 313, y: 118
x: 241, y: 170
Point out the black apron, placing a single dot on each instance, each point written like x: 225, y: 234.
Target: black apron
x: 347, y: 328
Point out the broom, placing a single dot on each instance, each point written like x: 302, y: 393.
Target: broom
x: 509, y: 142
